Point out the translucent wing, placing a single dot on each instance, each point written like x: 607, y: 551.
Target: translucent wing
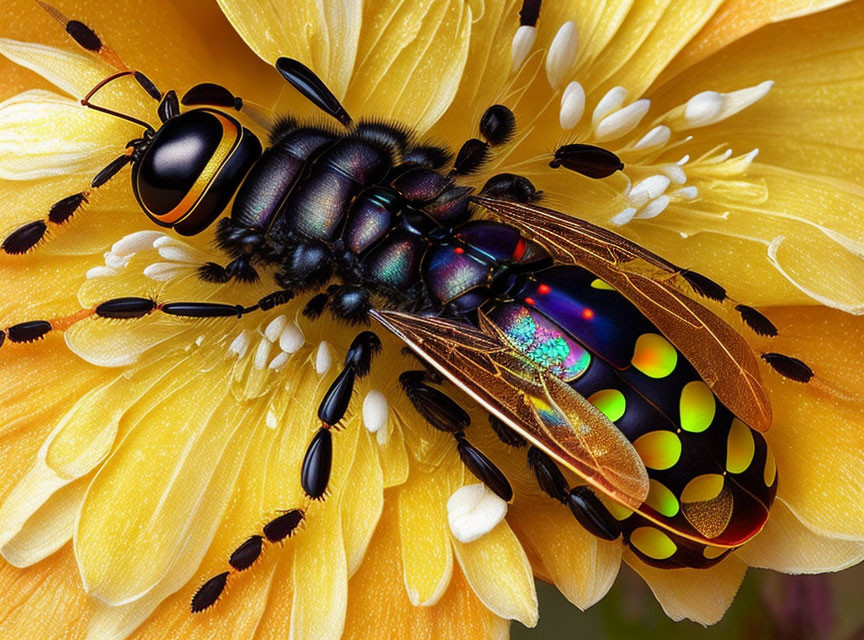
x: 535, y: 403
x: 717, y: 351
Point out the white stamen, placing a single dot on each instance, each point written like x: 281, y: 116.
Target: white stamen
x: 116, y: 262
x: 473, y: 511
x: 648, y: 189
x: 620, y: 219
x: 374, y: 411
x: 278, y: 363
x: 164, y: 271
x: 654, y: 208
x: 135, y: 242
x: 675, y: 173
x: 274, y: 329
x: 240, y: 344
x: 100, y: 272
x: 523, y: 40
x: 683, y: 161
x: 572, y: 105
x: 622, y: 121
x: 657, y: 137
x: 612, y: 101
x: 291, y: 338
x: 710, y: 107
x: 562, y: 54
x: 163, y: 241
x: 270, y: 421
x: 199, y: 340
x: 323, y: 358
x: 723, y: 157
x: 688, y: 193
x: 177, y: 253
x: 262, y: 354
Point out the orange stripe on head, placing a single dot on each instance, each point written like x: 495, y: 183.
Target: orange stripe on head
x: 230, y: 136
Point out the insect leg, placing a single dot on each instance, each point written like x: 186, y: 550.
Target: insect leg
x: 497, y: 127
x: 214, y: 95
x: 130, y: 308
x: 312, y: 88
x: 509, y: 186
x: 87, y: 39
x: 314, y: 475
x: 29, y: 235
x: 584, y: 505
x: 446, y: 415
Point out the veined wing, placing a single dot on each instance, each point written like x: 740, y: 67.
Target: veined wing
x: 717, y: 351
x: 535, y: 403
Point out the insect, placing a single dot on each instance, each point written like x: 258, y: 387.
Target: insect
x: 586, y: 349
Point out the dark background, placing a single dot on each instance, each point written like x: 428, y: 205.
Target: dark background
x: 769, y: 605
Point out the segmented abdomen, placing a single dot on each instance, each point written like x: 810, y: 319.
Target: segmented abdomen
x: 712, y: 477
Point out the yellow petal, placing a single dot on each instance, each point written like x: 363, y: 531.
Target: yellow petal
x: 159, y: 475
x: 582, y: 566
x: 363, y: 500
x: 700, y: 595
x: 48, y: 528
x: 323, y: 36
x: 647, y: 40
x: 275, y: 622
x: 73, y: 72
x: 43, y: 134
x: 798, y: 134
x: 410, y: 60
x: 498, y: 570
x: 820, y: 481
x: 787, y: 545
x: 427, y: 557
x: 236, y: 615
x: 734, y: 20
x: 378, y: 600
x: 110, y: 621
x: 320, y: 577
x: 45, y: 601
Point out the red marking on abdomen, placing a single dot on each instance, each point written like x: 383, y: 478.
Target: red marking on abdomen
x: 519, y: 250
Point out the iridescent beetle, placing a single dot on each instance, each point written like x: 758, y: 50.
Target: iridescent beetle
x: 581, y: 345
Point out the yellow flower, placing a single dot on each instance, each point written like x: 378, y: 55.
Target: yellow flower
x: 137, y: 455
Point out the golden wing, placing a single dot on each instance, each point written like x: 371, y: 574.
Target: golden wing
x: 535, y: 403
x: 717, y: 351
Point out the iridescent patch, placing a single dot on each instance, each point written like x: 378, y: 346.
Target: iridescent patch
x: 549, y: 414
x: 740, y: 447
x: 697, y: 407
x: 654, y: 355
x: 659, y: 449
x: 653, y: 543
x: 610, y: 401
x: 542, y: 341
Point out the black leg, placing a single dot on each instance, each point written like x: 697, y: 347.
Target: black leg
x: 29, y: 235
x: 314, y: 475
x: 584, y: 505
x: 214, y: 95
x: 497, y: 127
x: 133, y: 307
x: 446, y: 415
x: 312, y: 88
